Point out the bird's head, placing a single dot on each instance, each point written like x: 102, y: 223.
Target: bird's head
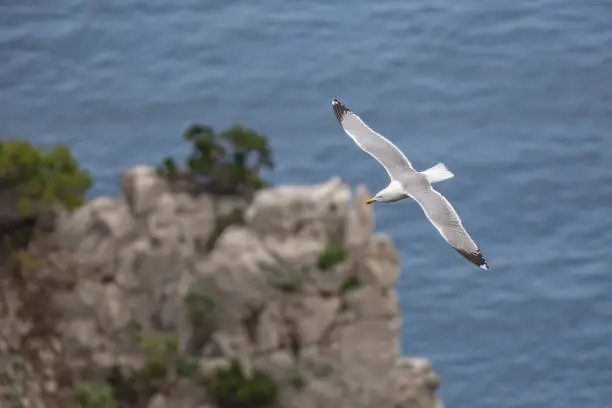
x: 380, y: 197
x: 393, y: 192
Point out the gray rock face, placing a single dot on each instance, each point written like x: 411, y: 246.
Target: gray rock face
x: 278, y: 306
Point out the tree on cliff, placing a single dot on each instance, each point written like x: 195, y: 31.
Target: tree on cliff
x: 226, y: 163
x: 33, y: 180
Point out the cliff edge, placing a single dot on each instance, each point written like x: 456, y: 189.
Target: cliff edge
x: 165, y: 299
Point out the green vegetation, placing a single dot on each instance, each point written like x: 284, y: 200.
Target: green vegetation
x: 164, y: 365
x: 224, y: 163
x: 231, y: 388
x: 164, y: 360
x: 40, y: 178
x: 95, y: 395
x: 350, y: 284
x: 330, y: 257
x: 32, y: 181
x: 200, y: 309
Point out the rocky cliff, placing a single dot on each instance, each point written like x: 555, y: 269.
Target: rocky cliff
x: 161, y: 298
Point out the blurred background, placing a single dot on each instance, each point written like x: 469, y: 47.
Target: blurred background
x: 514, y: 97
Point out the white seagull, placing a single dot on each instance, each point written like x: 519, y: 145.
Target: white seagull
x: 406, y: 182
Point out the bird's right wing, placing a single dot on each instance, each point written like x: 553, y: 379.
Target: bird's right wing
x: 444, y: 217
x: 375, y: 144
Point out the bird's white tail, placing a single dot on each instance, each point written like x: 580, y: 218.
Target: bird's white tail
x: 438, y: 173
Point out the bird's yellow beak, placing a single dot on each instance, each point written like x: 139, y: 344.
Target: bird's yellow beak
x: 370, y: 201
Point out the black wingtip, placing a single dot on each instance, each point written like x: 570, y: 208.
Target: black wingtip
x: 339, y: 109
x: 476, y: 258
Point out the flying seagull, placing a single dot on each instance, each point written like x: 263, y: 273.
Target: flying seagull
x: 406, y: 182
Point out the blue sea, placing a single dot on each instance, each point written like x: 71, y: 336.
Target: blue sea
x: 514, y: 97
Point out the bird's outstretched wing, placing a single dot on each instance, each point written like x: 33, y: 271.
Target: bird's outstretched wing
x: 375, y: 144
x: 444, y: 217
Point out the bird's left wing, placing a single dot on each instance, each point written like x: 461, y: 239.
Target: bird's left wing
x: 373, y: 143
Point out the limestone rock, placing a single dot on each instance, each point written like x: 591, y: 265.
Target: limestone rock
x: 312, y: 211
x: 360, y: 223
x: 373, y: 303
x: 381, y: 264
x: 141, y: 265
x: 112, y: 215
x: 367, y: 351
x: 141, y: 188
x: 270, y: 331
x: 182, y: 395
x: 412, y: 383
x: 312, y: 316
x: 72, y: 227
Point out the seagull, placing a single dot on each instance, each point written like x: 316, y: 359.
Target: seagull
x: 406, y: 182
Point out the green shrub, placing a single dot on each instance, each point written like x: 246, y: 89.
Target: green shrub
x: 164, y: 358
x: 231, y: 388
x: 164, y: 365
x: 199, y: 307
x: 350, y: 284
x: 95, y: 395
x: 225, y: 163
x: 330, y: 257
x: 187, y: 367
x: 33, y: 179
x: 126, y: 387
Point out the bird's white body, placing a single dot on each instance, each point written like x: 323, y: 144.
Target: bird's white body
x: 406, y: 182
x: 399, y: 190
